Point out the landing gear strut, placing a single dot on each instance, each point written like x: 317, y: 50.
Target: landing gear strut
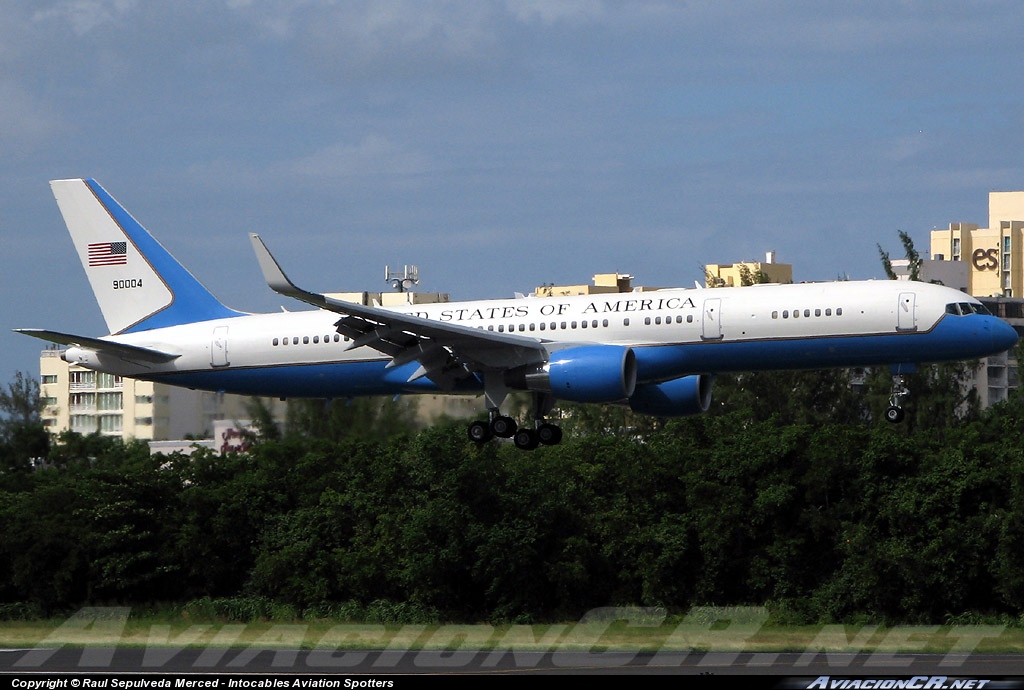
x: 895, y: 413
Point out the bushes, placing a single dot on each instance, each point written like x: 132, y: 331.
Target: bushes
x: 826, y: 521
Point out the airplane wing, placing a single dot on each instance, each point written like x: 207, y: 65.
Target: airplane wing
x: 446, y: 351
x: 129, y: 352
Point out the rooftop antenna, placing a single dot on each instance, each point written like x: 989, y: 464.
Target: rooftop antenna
x: 401, y: 282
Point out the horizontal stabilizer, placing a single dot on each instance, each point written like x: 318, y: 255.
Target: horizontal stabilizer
x: 99, y: 345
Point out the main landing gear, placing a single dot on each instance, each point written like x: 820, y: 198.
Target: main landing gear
x: 525, y: 438
x: 895, y: 413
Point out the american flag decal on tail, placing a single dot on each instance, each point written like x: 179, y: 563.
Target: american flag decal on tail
x: 108, y: 254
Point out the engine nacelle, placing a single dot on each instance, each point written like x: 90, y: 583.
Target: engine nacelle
x: 681, y: 397
x: 586, y: 374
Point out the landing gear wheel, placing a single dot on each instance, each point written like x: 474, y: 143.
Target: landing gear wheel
x: 894, y: 414
x: 549, y: 434
x: 526, y: 439
x: 503, y: 427
x: 479, y: 432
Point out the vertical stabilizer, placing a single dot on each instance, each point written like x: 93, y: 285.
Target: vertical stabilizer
x: 137, y: 283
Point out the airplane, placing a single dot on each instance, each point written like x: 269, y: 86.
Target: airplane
x: 656, y: 352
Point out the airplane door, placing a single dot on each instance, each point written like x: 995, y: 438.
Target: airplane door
x: 712, y: 322
x: 219, y: 347
x: 906, y: 312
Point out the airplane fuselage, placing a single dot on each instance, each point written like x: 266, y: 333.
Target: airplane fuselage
x: 673, y: 333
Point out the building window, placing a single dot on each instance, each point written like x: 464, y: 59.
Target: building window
x: 83, y: 423
x: 82, y: 379
x: 104, y: 380
x: 111, y: 423
x: 49, y: 378
x: 108, y: 401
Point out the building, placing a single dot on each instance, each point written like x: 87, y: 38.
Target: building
x: 990, y: 263
x: 952, y: 274
x: 604, y: 283
x: 733, y: 275
x: 994, y: 255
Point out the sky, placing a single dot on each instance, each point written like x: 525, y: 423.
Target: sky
x: 498, y: 145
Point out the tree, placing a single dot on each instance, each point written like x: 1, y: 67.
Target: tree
x: 22, y: 436
x: 913, y: 258
x: 367, y: 418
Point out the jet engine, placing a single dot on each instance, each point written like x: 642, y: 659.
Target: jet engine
x: 585, y: 374
x: 680, y: 397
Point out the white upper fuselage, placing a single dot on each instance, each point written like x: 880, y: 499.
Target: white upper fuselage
x: 705, y: 330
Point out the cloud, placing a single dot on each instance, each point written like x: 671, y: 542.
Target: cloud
x: 374, y: 155
x: 83, y: 16
x: 25, y: 122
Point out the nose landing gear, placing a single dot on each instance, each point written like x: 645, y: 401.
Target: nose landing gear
x: 895, y: 413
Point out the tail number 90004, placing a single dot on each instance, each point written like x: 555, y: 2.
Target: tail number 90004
x: 127, y: 283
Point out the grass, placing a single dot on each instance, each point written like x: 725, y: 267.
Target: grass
x: 111, y: 627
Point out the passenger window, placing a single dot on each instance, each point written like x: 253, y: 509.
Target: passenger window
x: 275, y: 342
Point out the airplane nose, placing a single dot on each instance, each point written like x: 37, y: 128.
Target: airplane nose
x: 1003, y: 335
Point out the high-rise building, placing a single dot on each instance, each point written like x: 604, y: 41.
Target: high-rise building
x: 994, y: 255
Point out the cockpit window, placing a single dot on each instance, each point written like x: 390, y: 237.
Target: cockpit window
x: 964, y: 308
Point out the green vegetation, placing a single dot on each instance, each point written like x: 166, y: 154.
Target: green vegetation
x: 788, y: 495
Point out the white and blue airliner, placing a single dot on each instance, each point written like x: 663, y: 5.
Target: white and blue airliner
x: 656, y: 352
